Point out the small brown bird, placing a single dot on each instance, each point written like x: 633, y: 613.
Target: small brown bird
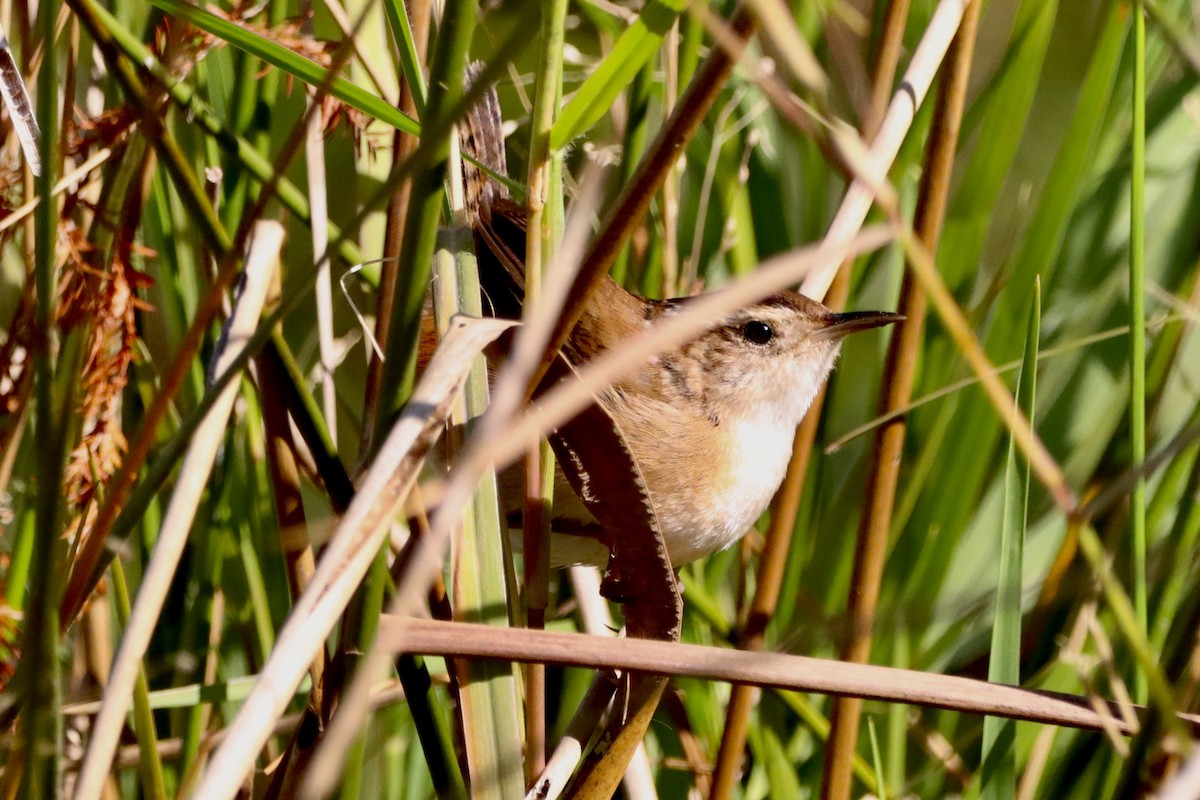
x: 710, y: 424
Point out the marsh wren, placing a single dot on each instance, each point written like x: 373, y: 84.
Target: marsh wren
x: 710, y: 424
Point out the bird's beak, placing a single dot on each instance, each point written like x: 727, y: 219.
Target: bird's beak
x: 839, y: 325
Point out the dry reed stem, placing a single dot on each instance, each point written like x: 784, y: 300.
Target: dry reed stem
x: 767, y: 670
x: 262, y: 260
x: 354, y: 545
x: 16, y: 99
x: 913, y: 87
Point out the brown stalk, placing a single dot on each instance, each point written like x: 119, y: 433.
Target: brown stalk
x: 787, y: 502
x: 886, y: 61
x: 535, y: 534
x: 403, y: 146
x: 297, y: 552
x: 594, y: 455
x: 871, y: 548
x: 767, y: 670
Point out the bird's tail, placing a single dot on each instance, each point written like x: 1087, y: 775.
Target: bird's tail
x: 497, y: 221
x: 481, y: 135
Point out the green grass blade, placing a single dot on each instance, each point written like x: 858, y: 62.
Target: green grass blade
x: 999, y: 764
x: 1137, y: 337
x: 632, y: 51
x: 149, y: 763
x: 410, y: 64
x: 292, y: 63
x: 876, y: 758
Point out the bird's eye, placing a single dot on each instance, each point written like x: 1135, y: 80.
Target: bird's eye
x: 757, y: 332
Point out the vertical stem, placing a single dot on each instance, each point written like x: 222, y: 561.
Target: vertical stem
x: 545, y: 215
x: 1137, y: 331
x: 896, y: 391
x: 412, y: 98
x: 428, y: 192
x: 41, y: 734
x: 886, y: 60
x: 318, y: 203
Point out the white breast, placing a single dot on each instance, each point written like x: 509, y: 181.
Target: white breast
x: 757, y: 454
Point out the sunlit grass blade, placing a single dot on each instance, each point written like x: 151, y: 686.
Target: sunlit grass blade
x: 148, y: 759
x: 410, y: 62
x: 876, y: 758
x: 1137, y: 335
x: 290, y: 62
x: 490, y: 706
x: 636, y: 47
x: 998, y: 770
